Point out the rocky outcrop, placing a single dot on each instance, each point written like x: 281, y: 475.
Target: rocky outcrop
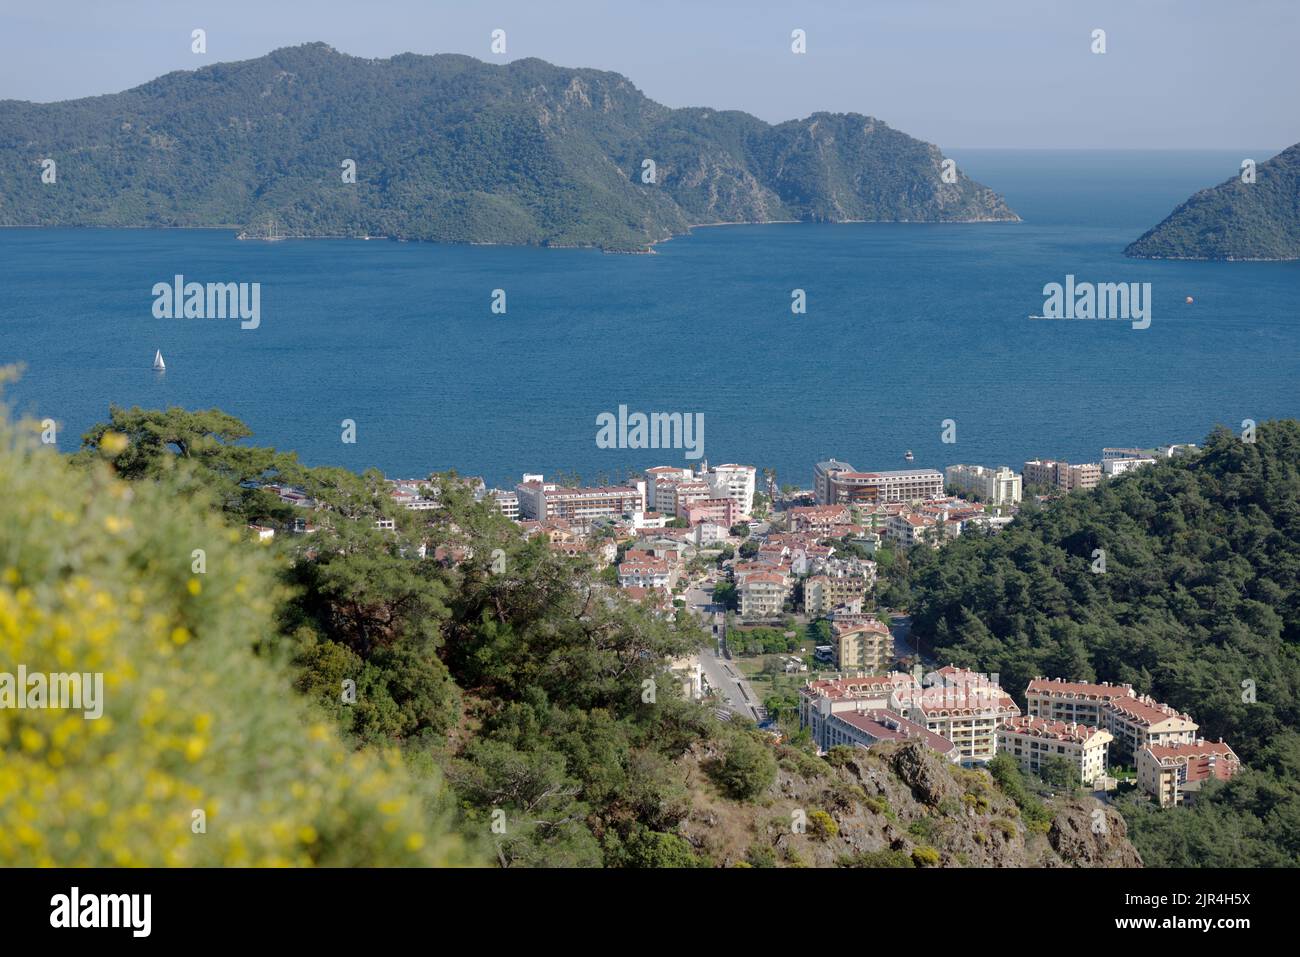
x: 1089, y: 834
x: 896, y: 805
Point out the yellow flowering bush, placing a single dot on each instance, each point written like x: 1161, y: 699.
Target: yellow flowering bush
x: 203, y: 755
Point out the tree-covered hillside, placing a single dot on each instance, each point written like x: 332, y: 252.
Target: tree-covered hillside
x: 1234, y: 220
x: 1198, y: 605
x: 453, y: 149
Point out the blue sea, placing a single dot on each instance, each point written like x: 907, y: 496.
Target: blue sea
x: 907, y: 325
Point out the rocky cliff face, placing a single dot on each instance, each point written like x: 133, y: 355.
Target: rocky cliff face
x: 893, y: 806
x: 450, y: 148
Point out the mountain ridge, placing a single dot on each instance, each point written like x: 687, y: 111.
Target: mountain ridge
x: 450, y: 148
x: 1234, y: 221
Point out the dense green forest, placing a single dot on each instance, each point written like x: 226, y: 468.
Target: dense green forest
x: 449, y: 148
x: 1234, y: 220
x: 1198, y: 605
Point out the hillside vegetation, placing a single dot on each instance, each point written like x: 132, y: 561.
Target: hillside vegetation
x: 449, y: 148
x: 1234, y: 220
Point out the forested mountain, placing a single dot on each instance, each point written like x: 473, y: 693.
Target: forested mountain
x: 1234, y: 220
x: 450, y: 148
x: 1198, y: 605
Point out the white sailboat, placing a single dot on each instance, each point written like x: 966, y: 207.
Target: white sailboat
x: 158, y: 364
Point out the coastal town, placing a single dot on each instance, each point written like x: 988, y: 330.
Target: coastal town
x: 762, y: 568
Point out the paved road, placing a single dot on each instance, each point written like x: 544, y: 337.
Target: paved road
x: 737, y: 693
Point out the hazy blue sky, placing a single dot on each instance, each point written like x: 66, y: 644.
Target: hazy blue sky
x: 961, y: 73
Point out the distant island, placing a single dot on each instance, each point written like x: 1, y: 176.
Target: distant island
x: 448, y: 148
x: 1234, y: 220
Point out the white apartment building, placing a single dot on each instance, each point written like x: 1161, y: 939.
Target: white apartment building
x: 762, y: 595
x: 506, y: 502
x: 540, y: 500
x: 1033, y: 741
x: 735, y: 482
x: 1134, y: 721
x: 1174, y: 773
x: 1112, y: 467
x: 645, y: 574
x: 999, y: 486
x: 965, y: 707
x: 660, y: 483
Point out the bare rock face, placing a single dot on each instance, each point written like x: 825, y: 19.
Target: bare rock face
x: 923, y: 771
x: 1089, y: 834
x: 895, y: 805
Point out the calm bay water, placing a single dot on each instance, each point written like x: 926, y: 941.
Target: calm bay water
x: 907, y: 325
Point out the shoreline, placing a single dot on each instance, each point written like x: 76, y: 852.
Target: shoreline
x: 647, y: 250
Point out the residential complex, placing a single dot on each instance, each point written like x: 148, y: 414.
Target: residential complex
x: 1134, y: 720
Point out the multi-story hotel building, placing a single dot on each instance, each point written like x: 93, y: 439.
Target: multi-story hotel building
x: 1174, y: 773
x: 720, y: 511
x: 1073, y: 701
x: 1032, y: 741
x: 1113, y: 467
x: 1134, y: 721
x: 912, y: 529
x: 999, y: 486
x: 539, y: 500
x: 687, y: 493
x: 817, y: 519
x: 1062, y: 475
x: 866, y: 646
x: 837, y: 482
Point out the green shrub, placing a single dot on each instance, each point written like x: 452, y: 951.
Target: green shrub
x: 882, y: 858
x: 96, y: 577
x: 747, y: 767
x: 822, y: 826
x: 925, y: 856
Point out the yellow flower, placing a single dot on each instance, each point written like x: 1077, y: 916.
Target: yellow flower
x: 113, y: 443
